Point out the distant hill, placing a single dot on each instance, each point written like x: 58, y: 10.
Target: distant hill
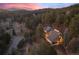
x: 39, y: 11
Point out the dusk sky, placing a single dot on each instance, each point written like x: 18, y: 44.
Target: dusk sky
x: 33, y: 6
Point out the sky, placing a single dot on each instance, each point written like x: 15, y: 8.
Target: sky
x: 33, y: 6
x: 55, y: 5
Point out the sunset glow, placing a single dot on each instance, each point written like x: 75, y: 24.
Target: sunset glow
x: 32, y: 6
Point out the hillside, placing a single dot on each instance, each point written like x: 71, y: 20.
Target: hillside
x: 21, y: 31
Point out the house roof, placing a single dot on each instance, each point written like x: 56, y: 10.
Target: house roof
x: 47, y: 29
x: 54, y: 34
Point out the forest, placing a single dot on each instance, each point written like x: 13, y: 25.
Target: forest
x: 21, y: 31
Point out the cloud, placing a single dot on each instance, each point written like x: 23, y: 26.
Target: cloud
x: 33, y: 6
x: 30, y: 6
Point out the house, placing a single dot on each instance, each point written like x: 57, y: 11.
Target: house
x: 53, y: 36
